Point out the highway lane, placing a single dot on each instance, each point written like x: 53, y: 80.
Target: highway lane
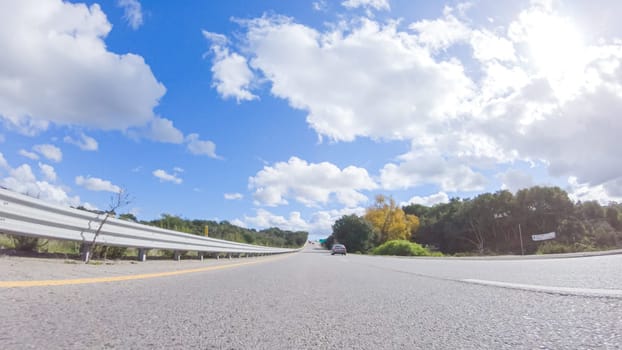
x: 312, y: 300
x: 590, y: 272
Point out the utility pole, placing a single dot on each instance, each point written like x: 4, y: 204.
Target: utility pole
x: 520, y: 234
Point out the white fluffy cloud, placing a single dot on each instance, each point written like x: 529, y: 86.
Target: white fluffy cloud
x: 514, y: 180
x: 3, y: 163
x: 441, y: 33
x: 133, y: 13
x: 163, y: 130
x: 28, y: 154
x: 265, y: 219
x: 428, y: 201
x: 319, y: 224
x: 230, y: 71
x: 50, y: 152
x: 562, y: 109
x: 421, y: 168
x: 600, y: 193
x: 310, y: 183
x: 233, y: 196
x: 488, y: 46
x: 369, y: 79
x: 585, y: 130
x: 23, y: 174
x: 23, y: 180
x: 539, y: 86
x: 166, y: 177
x: 84, y: 142
x: 319, y: 5
x: 55, y: 67
x: 375, y: 4
x: 48, y: 171
x: 97, y: 184
x: 199, y: 147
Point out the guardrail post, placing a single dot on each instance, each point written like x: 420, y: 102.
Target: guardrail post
x: 177, y: 255
x: 229, y: 256
x: 85, y: 250
x: 142, y: 254
x: 200, y: 255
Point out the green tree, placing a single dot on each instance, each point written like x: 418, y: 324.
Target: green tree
x: 613, y: 217
x: 128, y: 217
x: 225, y: 230
x: 442, y: 227
x: 354, y: 232
x: 490, y: 222
x: 329, y: 241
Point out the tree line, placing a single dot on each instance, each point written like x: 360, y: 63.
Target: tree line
x: 490, y: 223
x: 273, y: 237
x: 384, y: 229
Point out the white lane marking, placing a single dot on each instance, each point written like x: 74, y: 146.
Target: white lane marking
x: 592, y: 292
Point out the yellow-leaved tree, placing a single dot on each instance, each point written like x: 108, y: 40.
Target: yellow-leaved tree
x: 389, y: 220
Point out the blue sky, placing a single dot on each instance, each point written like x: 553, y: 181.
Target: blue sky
x: 294, y: 113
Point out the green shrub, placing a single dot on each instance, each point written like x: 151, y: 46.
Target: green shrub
x: 464, y: 254
x: 402, y: 248
x: 22, y: 243
x: 561, y: 248
x: 62, y: 247
x: 605, y: 236
x: 108, y: 252
x: 168, y: 254
x: 114, y: 252
x: 6, y: 242
x: 555, y: 248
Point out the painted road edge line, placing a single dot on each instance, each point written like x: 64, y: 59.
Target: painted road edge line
x: 590, y: 292
x: 91, y: 280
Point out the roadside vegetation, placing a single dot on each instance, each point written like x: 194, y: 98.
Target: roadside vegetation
x: 489, y: 224
x: 385, y: 229
x: 403, y: 248
x: 38, y: 245
x: 273, y: 237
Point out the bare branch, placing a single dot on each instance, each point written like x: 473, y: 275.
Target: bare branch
x: 117, y: 201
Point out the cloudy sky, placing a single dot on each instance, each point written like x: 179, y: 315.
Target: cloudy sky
x: 293, y: 113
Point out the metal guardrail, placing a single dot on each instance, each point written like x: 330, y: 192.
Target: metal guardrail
x: 27, y: 216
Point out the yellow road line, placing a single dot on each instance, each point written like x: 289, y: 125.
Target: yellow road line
x: 44, y: 283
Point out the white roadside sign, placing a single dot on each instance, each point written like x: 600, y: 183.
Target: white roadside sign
x: 543, y: 236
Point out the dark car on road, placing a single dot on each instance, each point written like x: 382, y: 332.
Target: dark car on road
x: 338, y: 249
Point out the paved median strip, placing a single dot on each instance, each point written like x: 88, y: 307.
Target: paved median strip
x: 590, y: 292
x: 45, y: 283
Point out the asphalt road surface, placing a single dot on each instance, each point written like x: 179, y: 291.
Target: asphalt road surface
x: 312, y: 300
